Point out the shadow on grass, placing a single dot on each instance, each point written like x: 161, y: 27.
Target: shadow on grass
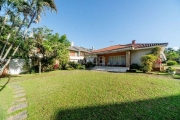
x: 3, y: 86
x: 160, y: 108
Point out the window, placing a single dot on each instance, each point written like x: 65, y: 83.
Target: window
x: 117, y: 60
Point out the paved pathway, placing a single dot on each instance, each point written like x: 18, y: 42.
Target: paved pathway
x: 18, y: 109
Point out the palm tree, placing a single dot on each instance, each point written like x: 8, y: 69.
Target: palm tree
x: 32, y: 10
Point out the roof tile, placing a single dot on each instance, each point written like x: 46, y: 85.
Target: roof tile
x: 136, y: 46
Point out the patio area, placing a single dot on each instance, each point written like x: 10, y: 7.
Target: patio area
x: 110, y: 69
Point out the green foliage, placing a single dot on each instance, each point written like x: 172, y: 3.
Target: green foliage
x: 52, y: 46
x: 170, y: 63
x: 134, y: 66
x: 147, y: 61
x: 74, y: 65
x: 89, y: 65
x: 172, y: 55
x: 156, y: 51
x: 170, y: 69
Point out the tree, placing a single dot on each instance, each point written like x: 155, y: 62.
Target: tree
x: 172, y: 55
x: 31, y: 11
x: 52, y: 46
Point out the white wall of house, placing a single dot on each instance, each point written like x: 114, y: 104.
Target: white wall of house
x: 16, y: 66
x: 136, y: 55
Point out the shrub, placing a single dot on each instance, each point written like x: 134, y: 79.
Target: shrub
x: 89, y: 65
x: 56, y: 66
x: 81, y: 67
x: 170, y: 63
x: 147, y: 61
x: 134, y: 66
x: 74, y: 65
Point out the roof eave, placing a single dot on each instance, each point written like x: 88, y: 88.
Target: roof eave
x: 113, y: 51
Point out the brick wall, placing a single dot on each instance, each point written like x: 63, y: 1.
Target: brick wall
x: 72, y: 53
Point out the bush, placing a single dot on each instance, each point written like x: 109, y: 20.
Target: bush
x: 56, y: 66
x: 170, y: 63
x: 74, y: 65
x: 82, y: 67
x: 89, y: 65
x: 134, y: 66
x: 147, y: 61
x: 34, y: 69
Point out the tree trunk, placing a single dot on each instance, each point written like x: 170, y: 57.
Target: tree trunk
x: 5, y: 46
x: 7, y: 63
x: 4, y: 66
x: 10, y: 47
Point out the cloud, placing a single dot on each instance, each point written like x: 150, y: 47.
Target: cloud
x: 175, y: 48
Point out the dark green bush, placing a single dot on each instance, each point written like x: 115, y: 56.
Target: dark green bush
x: 89, y: 65
x: 74, y: 65
x: 134, y: 66
x: 170, y: 63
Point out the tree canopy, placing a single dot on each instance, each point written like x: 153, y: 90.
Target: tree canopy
x: 16, y: 19
x: 52, y: 46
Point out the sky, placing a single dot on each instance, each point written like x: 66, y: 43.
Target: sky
x: 101, y: 23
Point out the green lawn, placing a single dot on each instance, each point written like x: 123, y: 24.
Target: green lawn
x: 6, y: 97
x: 93, y: 95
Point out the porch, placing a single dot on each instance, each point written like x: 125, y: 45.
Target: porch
x: 110, y: 69
x: 118, y: 59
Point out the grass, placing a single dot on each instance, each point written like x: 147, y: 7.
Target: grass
x: 92, y: 95
x: 5, y: 98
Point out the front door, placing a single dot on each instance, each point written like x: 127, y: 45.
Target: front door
x: 102, y: 60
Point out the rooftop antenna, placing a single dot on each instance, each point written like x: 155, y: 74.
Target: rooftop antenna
x: 111, y: 42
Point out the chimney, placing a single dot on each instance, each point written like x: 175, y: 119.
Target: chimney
x: 72, y: 43
x: 133, y: 42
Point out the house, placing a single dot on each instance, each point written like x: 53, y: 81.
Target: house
x: 125, y: 55
x: 77, y: 53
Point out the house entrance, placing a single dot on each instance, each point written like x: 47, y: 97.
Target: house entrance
x: 101, y: 60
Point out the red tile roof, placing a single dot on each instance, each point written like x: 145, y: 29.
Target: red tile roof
x: 130, y: 46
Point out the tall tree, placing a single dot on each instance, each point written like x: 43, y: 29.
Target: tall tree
x: 31, y: 11
x: 53, y: 46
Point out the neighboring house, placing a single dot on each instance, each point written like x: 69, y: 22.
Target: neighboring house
x: 77, y: 53
x: 125, y: 55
